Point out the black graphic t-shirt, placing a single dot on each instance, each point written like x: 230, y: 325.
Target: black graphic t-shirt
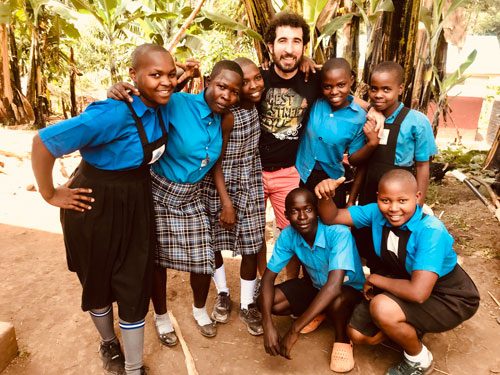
x: 283, y: 112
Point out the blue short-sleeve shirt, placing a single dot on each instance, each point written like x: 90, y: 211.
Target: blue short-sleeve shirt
x: 430, y: 246
x: 105, y: 134
x: 328, y: 135
x: 194, y: 140
x: 334, y: 248
x: 415, y: 139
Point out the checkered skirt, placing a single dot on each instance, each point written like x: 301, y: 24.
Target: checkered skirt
x: 182, y: 227
x: 243, y: 177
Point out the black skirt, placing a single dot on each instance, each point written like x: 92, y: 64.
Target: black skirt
x: 453, y: 300
x: 111, y: 247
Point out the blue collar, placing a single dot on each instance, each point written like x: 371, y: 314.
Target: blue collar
x: 319, y: 240
x: 140, y: 108
x: 410, y: 224
x: 392, y: 117
x: 352, y: 105
x: 202, y: 105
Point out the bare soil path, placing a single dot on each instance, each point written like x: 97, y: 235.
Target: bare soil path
x: 42, y: 298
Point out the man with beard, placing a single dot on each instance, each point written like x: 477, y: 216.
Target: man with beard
x: 283, y: 112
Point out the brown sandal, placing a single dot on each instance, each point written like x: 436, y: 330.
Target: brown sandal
x: 342, y: 357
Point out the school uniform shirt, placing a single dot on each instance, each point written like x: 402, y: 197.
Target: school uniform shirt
x: 415, y: 139
x: 194, y: 139
x: 429, y: 248
x: 334, y: 249
x: 105, y: 133
x: 283, y: 113
x: 328, y: 135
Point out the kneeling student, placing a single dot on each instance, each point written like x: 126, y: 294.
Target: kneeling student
x: 335, y: 280
x: 421, y: 287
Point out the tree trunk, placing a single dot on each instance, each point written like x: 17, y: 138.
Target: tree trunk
x: 393, y: 38
x: 351, y: 34
x: 6, y: 114
x: 259, y: 15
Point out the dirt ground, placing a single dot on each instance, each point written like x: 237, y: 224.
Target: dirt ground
x: 42, y: 298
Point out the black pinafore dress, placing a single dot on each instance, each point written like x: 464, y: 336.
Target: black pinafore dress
x: 381, y: 161
x: 111, y: 247
x: 453, y: 300
x: 454, y: 297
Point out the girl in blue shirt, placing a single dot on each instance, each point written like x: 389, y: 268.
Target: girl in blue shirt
x: 420, y: 288
x: 234, y: 198
x: 106, y: 207
x: 336, y: 124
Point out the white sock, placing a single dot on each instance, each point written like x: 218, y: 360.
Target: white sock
x: 201, y: 316
x: 424, y: 357
x: 247, y: 292
x: 163, y: 323
x: 220, y: 280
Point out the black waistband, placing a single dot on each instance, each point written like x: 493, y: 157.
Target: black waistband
x: 103, y: 175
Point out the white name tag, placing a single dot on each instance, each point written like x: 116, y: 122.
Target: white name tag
x: 157, y: 154
x: 393, y: 243
x: 385, y: 137
x: 346, y: 279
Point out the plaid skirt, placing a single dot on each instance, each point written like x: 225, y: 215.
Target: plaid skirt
x: 183, y: 235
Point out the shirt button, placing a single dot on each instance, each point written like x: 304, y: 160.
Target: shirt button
x: 320, y: 138
x: 206, y: 148
x: 331, y: 114
x: 210, y: 123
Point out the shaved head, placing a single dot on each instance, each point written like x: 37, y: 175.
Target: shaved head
x: 403, y: 177
x: 310, y: 197
x: 243, y: 61
x: 391, y: 67
x: 337, y: 63
x: 141, y: 51
x: 226, y: 65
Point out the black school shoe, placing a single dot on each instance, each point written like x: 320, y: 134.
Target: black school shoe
x: 253, y: 320
x: 407, y: 367
x: 113, y: 361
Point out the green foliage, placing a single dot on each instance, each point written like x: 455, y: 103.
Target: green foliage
x: 486, y: 20
x: 466, y: 161
x: 333, y: 26
x: 230, y: 24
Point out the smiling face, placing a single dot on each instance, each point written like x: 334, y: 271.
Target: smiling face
x: 155, y: 77
x: 252, y: 86
x: 223, y: 91
x: 287, y: 49
x: 301, y: 212
x: 384, y: 91
x: 336, y: 85
x: 397, y: 200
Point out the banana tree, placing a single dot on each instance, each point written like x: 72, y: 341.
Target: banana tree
x: 430, y: 83
x: 114, y: 16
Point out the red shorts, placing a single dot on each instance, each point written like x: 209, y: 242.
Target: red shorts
x: 277, y: 185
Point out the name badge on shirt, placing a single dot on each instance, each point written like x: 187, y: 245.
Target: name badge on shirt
x: 385, y: 137
x: 393, y: 243
x: 157, y: 154
x: 205, y: 161
x: 346, y: 278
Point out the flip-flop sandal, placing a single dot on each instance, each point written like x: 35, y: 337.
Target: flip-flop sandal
x: 313, y: 324
x: 342, y: 357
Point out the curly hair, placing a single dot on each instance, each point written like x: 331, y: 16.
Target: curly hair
x: 286, y: 19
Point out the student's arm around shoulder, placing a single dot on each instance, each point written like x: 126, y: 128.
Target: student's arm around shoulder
x: 327, y: 210
x: 228, y: 214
